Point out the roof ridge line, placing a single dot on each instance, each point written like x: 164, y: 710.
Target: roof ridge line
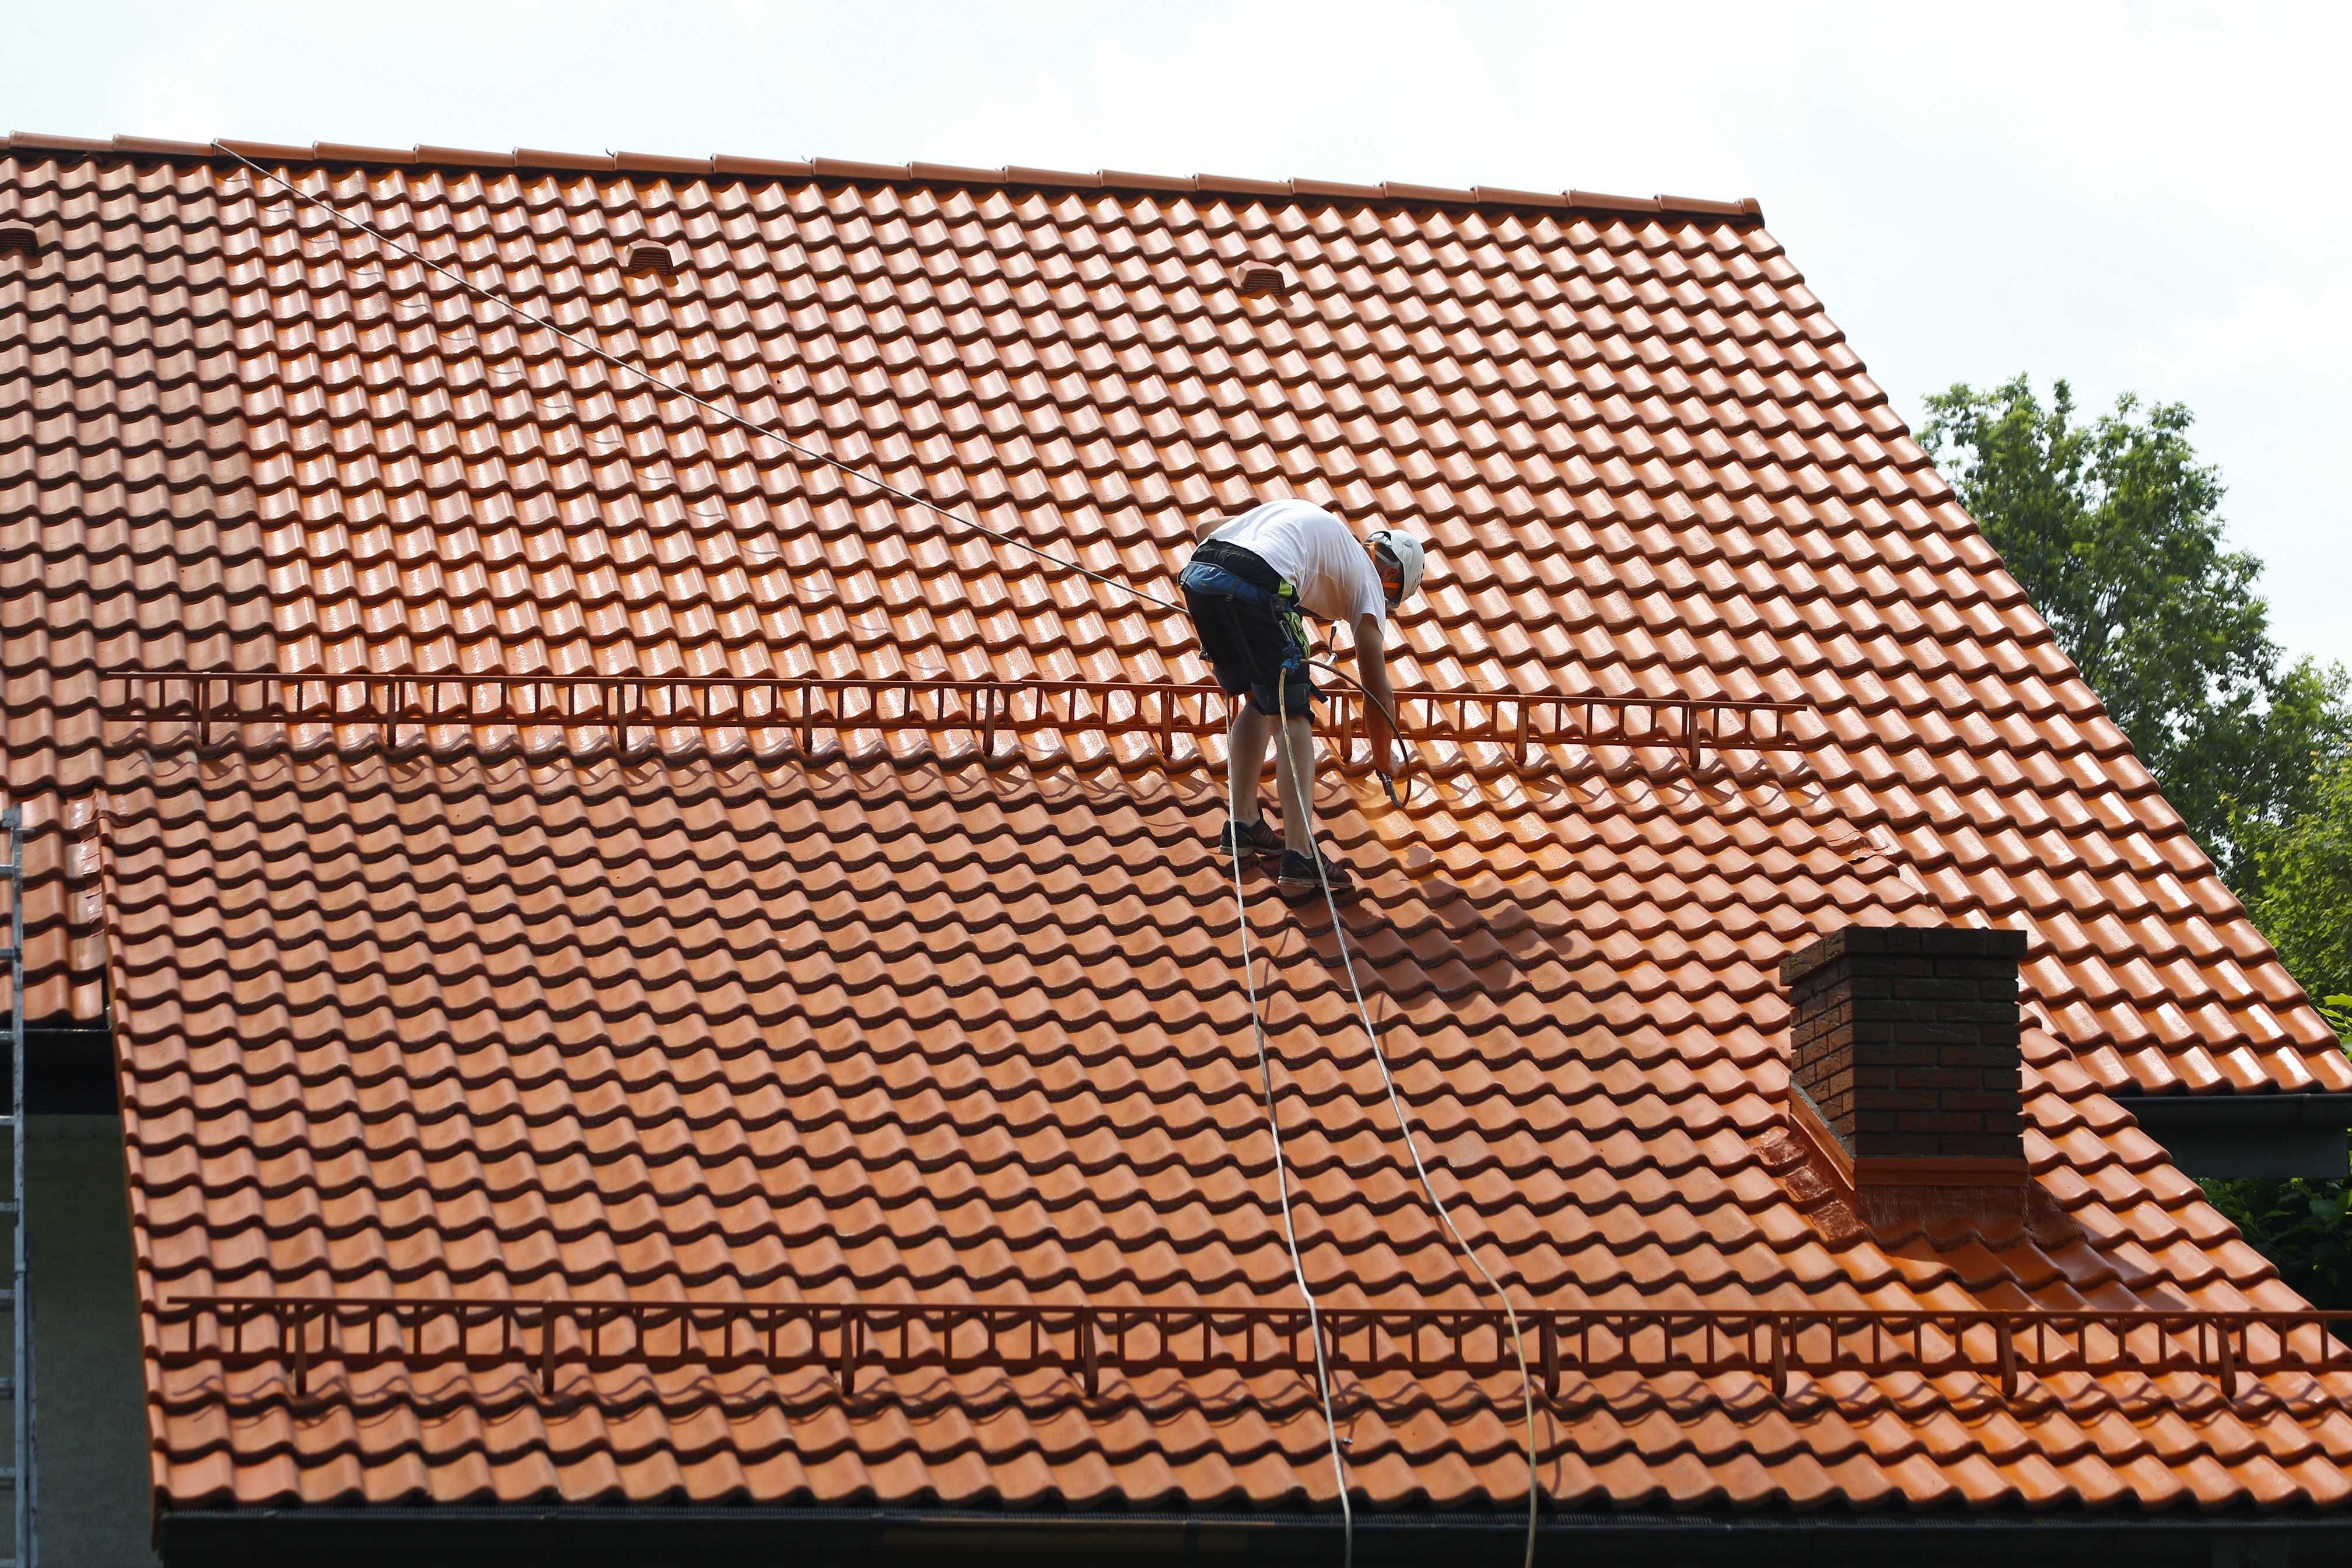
x: 1744, y: 212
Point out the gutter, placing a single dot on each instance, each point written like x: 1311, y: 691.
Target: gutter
x: 2281, y: 1134
x: 2265, y: 1111
x: 872, y: 1537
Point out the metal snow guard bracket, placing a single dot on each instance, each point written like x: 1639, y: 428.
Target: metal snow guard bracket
x: 544, y: 1338
x: 214, y: 703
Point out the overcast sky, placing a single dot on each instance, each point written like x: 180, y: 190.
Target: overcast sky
x: 2149, y: 198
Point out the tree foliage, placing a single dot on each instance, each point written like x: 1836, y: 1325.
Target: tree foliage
x: 2112, y: 528
x: 2302, y: 898
x: 2303, y: 1225
x: 2303, y: 901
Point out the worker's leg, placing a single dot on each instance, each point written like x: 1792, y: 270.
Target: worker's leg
x: 1245, y: 761
x: 1297, y: 794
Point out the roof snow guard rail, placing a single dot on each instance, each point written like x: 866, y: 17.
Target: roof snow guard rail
x: 203, y: 704
x: 544, y: 1338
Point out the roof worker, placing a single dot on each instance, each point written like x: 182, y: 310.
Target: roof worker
x: 1248, y: 581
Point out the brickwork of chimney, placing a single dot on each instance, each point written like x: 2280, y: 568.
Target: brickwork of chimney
x: 1905, y: 1041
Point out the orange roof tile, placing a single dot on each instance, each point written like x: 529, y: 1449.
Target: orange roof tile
x: 698, y: 1017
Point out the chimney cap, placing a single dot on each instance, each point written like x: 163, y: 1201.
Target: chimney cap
x: 1903, y: 941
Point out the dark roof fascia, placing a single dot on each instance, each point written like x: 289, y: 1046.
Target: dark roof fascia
x: 2241, y: 1134
x: 869, y: 1537
x: 2238, y: 1111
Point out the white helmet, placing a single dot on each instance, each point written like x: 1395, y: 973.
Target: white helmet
x: 1405, y: 549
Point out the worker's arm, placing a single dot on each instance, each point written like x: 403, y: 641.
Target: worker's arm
x: 1372, y: 669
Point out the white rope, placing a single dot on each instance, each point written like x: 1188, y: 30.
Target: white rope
x: 1281, y: 1170
x: 1405, y: 1124
x: 676, y: 390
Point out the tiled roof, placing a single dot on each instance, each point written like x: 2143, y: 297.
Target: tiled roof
x: 703, y: 1019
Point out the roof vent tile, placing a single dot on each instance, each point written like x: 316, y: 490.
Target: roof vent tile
x: 649, y: 262
x: 1263, y: 282
x: 17, y: 241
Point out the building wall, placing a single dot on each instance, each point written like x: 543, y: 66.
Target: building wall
x: 92, y: 1436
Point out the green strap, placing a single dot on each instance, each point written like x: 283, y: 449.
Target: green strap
x: 1291, y: 622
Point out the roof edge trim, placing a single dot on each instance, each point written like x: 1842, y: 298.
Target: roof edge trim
x: 1904, y: 1524
x: 1744, y: 212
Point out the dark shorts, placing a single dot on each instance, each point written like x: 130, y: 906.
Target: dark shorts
x: 1251, y: 638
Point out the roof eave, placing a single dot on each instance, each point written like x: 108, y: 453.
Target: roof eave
x: 874, y: 1536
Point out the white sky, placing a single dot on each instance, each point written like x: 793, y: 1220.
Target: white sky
x: 2142, y: 198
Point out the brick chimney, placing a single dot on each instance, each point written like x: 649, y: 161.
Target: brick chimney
x: 1905, y: 1071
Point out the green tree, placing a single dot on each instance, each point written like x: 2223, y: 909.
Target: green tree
x: 2303, y: 900
x: 2112, y: 529
x: 2303, y: 1226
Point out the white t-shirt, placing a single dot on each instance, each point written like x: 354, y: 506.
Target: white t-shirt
x: 1316, y: 554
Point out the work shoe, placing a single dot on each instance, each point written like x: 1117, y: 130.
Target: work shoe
x: 1252, y: 840
x: 1299, y: 876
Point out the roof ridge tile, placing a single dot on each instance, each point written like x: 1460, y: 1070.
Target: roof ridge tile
x: 956, y: 172
x: 1501, y: 195
x: 40, y: 140
x: 662, y: 163
x: 1015, y: 174
x: 1745, y: 210
x: 427, y: 153
x: 1337, y: 189
x: 540, y: 158
x: 843, y: 169
x: 1747, y: 205
x: 261, y: 152
x: 1123, y: 179
x: 733, y: 163
x: 1234, y: 185
x: 1601, y: 201
x: 352, y: 153
x: 1400, y: 191
x: 164, y: 149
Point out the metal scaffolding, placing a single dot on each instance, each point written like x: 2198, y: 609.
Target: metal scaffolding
x: 18, y: 1297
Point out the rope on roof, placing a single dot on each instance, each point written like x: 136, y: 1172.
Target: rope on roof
x: 1282, y: 1187
x: 1404, y: 1125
